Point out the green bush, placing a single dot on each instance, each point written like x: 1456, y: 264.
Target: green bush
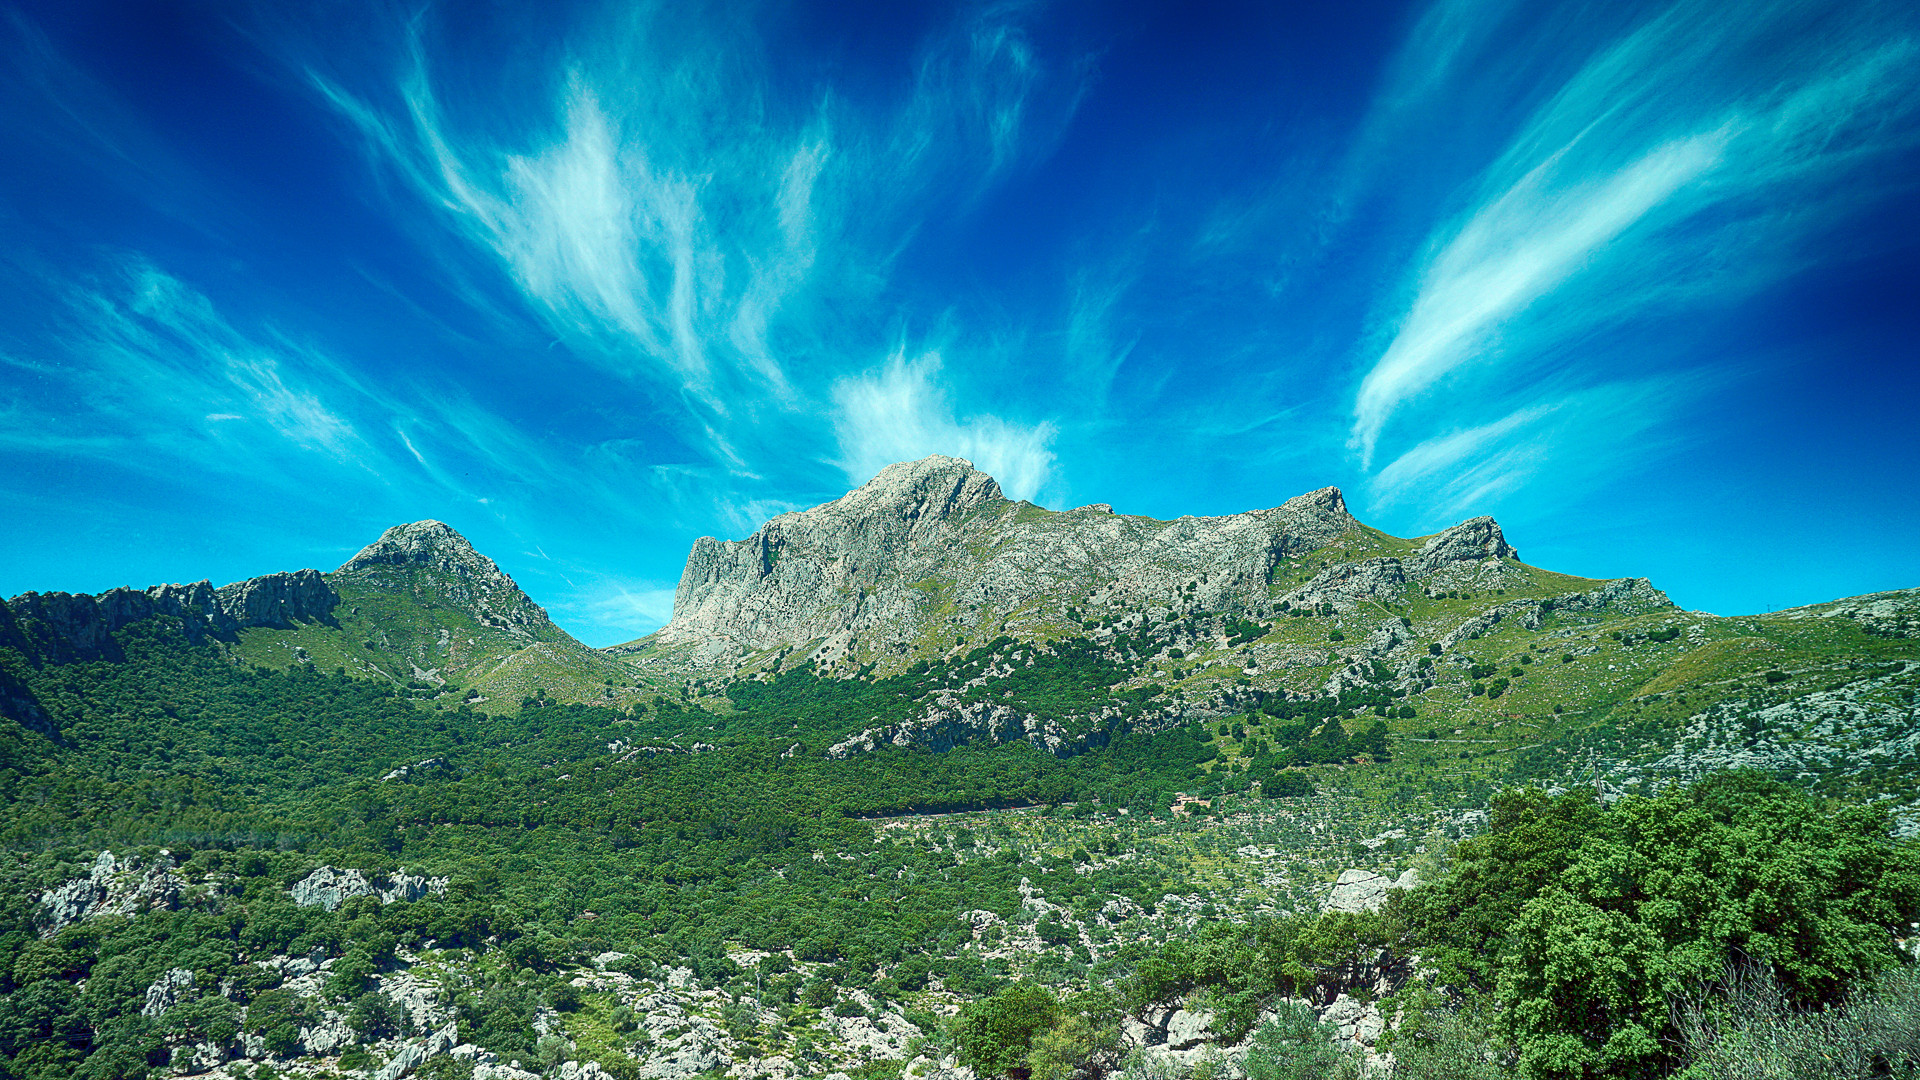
x: 995, y: 1035
x: 1591, y: 924
x: 1447, y: 1044
x: 1297, y: 1045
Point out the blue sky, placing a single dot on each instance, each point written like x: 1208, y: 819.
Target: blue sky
x: 587, y: 281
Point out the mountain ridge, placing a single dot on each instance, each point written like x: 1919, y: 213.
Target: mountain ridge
x: 419, y: 607
x: 928, y: 551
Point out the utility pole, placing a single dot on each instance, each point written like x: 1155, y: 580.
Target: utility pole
x: 1599, y: 790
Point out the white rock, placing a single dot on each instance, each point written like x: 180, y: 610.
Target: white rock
x: 170, y: 989
x: 416, y: 1052
x: 1187, y: 1029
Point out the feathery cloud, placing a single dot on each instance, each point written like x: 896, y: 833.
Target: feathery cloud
x: 899, y: 412
x: 674, y: 220
x: 1681, y: 163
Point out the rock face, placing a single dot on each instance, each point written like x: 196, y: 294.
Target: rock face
x: 170, y: 989
x: 60, y: 627
x: 1364, y: 890
x: 413, y: 1054
x: 1474, y: 540
x: 930, y: 549
x: 328, y: 888
x: 431, y: 555
x: 111, y: 887
x: 932, y: 544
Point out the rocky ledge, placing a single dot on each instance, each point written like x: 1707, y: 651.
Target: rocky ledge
x: 58, y: 627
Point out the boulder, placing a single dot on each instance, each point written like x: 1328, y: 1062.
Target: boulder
x: 328, y: 888
x: 170, y: 989
x: 415, y: 1053
x: 111, y: 887
x: 1355, y: 891
x: 1187, y: 1029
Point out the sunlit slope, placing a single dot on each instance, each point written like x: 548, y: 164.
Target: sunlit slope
x: 421, y: 607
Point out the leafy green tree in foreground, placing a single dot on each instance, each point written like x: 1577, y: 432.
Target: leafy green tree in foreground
x: 1590, y: 924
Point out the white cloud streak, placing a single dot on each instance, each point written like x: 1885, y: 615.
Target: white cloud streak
x: 900, y: 413
x: 1680, y: 164
x: 1577, y: 435
x: 160, y: 379
x: 674, y: 222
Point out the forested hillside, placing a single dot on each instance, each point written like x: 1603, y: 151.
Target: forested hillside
x: 1352, y: 803
x: 726, y: 846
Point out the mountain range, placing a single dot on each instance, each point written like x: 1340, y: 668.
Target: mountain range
x: 919, y: 569
x: 924, y: 758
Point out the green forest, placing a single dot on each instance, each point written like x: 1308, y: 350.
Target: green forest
x: 1569, y: 938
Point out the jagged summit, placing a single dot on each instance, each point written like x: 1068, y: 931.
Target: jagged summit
x: 78, y: 626
x: 1474, y: 538
x: 933, y: 549
x: 457, y: 572
x: 1327, y: 500
x: 424, y: 543
x: 934, y: 486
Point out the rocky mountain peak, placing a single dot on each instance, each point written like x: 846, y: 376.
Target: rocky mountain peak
x: 1326, y: 500
x: 932, y: 550
x: 935, y: 486
x: 428, y: 543
x: 1472, y: 540
x: 465, y: 577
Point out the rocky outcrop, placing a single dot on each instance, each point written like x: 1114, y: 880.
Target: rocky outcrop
x: 276, y: 600
x: 1474, y: 540
x: 430, y: 555
x: 171, y: 988
x: 58, y: 627
x: 1624, y: 596
x: 111, y: 887
x: 1388, y: 638
x: 1894, y: 614
x: 1364, y: 890
x: 932, y: 547
x: 328, y: 888
x: 414, y: 1054
x: 1346, y: 586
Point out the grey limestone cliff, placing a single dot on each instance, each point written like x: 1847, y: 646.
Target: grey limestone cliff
x: 933, y: 545
x: 60, y: 627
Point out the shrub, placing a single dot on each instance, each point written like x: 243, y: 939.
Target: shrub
x: 995, y: 1035
x: 1748, y: 1028
x: 1447, y: 1044
x: 1296, y: 1045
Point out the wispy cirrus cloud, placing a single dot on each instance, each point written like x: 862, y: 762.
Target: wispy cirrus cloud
x: 1680, y: 165
x: 898, y: 412
x: 675, y: 219
x: 152, y: 376
x: 1571, y: 435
